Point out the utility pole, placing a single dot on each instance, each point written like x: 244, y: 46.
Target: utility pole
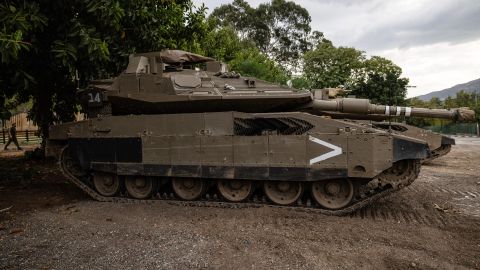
x: 476, y: 108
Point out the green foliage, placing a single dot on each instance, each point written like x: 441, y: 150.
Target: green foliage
x: 17, y: 22
x: 376, y: 78
x: 256, y: 64
x: 379, y: 80
x: 416, y: 102
x: 301, y: 83
x: 280, y: 29
x: 329, y: 66
x: 222, y: 43
x: 435, y: 103
x: 41, y: 57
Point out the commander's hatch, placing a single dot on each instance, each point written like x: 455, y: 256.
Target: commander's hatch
x: 187, y: 81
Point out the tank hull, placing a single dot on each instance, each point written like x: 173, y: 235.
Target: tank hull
x: 231, y: 146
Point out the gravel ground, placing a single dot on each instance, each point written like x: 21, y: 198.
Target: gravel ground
x: 433, y: 224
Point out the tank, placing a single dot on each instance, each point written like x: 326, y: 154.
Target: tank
x: 180, y: 127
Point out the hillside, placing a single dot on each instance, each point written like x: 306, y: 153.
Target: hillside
x: 452, y: 91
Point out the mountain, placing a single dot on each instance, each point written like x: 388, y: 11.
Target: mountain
x: 470, y: 87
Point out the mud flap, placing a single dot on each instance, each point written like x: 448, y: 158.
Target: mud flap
x: 405, y: 149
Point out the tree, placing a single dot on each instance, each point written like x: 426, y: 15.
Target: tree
x: 222, y: 42
x: 465, y: 99
x: 450, y: 102
x: 376, y: 78
x: 435, y: 103
x: 416, y: 102
x: 252, y: 62
x: 280, y: 29
x: 17, y: 22
x: 380, y: 82
x: 51, y: 42
x: 329, y: 66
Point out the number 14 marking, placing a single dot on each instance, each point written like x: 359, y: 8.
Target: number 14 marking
x: 94, y: 99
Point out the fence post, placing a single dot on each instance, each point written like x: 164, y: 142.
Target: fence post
x: 27, y: 135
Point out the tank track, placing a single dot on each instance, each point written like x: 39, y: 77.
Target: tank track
x: 439, y: 152
x: 367, y: 197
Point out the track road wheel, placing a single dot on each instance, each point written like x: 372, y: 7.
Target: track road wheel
x: 106, y: 184
x: 333, y: 194
x: 140, y: 187
x: 234, y: 190
x: 283, y: 192
x: 188, y: 189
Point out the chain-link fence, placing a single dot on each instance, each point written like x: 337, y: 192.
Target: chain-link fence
x: 456, y: 129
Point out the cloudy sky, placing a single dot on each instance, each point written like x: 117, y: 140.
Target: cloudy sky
x: 435, y: 42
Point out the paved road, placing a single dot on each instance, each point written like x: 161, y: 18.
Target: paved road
x: 467, y: 140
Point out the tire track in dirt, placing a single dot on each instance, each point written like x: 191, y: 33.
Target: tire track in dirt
x: 404, y: 216
x: 465, y: 201
x: 467, y: 194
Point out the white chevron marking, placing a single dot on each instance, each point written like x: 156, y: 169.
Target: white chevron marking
x: 335, y: 150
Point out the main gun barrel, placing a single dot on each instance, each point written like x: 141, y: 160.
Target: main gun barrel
x: 356, y: 106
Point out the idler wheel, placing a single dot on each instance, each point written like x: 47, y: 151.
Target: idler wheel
x: 140, y: 187
x: 188, y: 189
x: 70, y: 165
x: 106, y: 184
x: 333, y: 194
x: 283, y: 192
x: 235, y: 190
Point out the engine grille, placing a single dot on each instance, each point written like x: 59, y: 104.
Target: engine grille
x: 279, y: 126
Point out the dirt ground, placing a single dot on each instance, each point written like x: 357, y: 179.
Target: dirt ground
x: 433, y: 224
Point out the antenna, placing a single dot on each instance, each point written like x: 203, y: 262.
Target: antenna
x: 389, y: 114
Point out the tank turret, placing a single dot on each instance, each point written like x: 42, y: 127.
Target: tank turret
x: 173, y: 81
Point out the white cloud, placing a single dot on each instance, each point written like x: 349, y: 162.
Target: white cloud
x: 437, y: 66
x: 436, y: 42
x: 376, y: 24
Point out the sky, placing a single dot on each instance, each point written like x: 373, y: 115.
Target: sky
x: 435, y: 42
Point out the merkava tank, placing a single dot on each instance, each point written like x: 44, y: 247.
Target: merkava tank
x: 166, y: 129
x: 439, y: 144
